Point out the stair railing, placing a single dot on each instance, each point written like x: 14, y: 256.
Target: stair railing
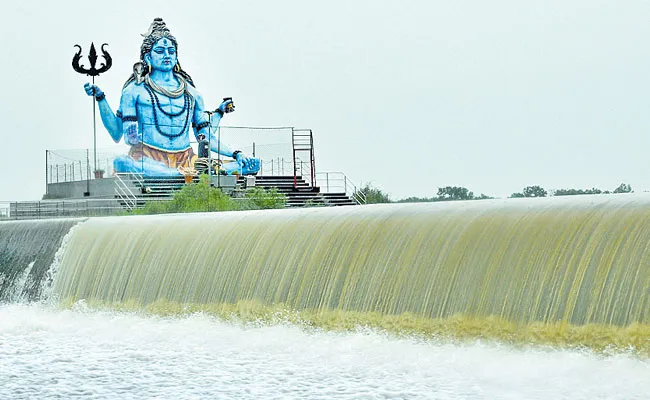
x: 124, y: 192
x: 5, y: 210
x: 302, y: 140
x: 338, y: 182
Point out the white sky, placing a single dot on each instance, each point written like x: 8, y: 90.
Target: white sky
x: 409, y: 95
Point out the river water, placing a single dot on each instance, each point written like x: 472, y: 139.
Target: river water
x: 48, y: 352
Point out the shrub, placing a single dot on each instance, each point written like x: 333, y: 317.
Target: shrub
x: 258, y: 198
x: 201, y: 197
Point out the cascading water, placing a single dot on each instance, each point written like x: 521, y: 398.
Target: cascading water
x: 27, y: 254
x: 574, y: 261
x: 568, y: 271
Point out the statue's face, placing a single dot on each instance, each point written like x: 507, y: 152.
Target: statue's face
x: 162, y: 56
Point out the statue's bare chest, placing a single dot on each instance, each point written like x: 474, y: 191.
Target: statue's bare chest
x: 169, y: 106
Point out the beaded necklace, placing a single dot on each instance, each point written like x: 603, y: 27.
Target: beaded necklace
x: 188, y: 104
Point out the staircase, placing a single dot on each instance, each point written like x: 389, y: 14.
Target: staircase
x: 133, y: 191
x: 300, y: 193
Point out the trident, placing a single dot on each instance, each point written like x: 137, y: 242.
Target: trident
x: 93, y: 71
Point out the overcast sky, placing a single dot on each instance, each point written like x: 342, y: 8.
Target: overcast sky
x: 409, y: 96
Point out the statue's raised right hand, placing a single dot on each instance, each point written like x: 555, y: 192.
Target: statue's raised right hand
x: 92, y: 90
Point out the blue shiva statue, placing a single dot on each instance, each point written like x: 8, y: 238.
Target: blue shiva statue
x: 159, y: 104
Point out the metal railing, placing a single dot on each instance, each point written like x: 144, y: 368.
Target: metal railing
x: 280, y: 166
x: 78, y: 165
x: 302, y: 141
x: 60, y: 209
x: 273, y: 145
x: 124, y: 192
x: 5, y: 210
x: 337, y: 182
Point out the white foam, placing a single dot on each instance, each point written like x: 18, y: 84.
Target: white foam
x: 17, y: 293
x: 48, y: 352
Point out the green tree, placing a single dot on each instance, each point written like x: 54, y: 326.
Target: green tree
x: 530, y: 191
x: 414, y: 199
x: 623, y: 188
x: 454, y: 193
x: 373, y: 195
x: 574, y: 192
x: 534, y: 191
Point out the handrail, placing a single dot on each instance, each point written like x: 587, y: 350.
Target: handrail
x: 338, y: 182
x: 19, y: 210
x: 124, y: 192
x: 5, y: 210
x: 303, y: 140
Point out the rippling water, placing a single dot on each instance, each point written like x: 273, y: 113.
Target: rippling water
x: 52, y: 353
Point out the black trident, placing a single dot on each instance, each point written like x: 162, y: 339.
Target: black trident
x: 93, y: 71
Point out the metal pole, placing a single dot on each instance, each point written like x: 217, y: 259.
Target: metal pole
x: 46, y: 180
x: 94, y: 131
x: 142, y: 154
x: 210, y: 150
x: 88, y: 173
x: 293, y: 156
x: 219, y: 156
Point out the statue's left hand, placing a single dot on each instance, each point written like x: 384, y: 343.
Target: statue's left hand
x: 222, y: 107
x: 247, y: 164
x: 239, y: 157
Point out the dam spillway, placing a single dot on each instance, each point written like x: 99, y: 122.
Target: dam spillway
x: 580, y: 260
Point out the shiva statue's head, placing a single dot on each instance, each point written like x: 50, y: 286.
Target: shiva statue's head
x: 159, y: 47
x: 162, y: 56
x: 158, y: 52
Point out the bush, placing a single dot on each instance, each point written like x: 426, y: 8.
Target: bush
x: 531, y: 191
x: 260, y: 199
x: 623, y: 188
x: 202, y: 197
x: 373, y: 195
x: 576, y: 192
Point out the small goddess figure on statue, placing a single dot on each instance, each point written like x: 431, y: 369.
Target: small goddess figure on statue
x: 159, y: 104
